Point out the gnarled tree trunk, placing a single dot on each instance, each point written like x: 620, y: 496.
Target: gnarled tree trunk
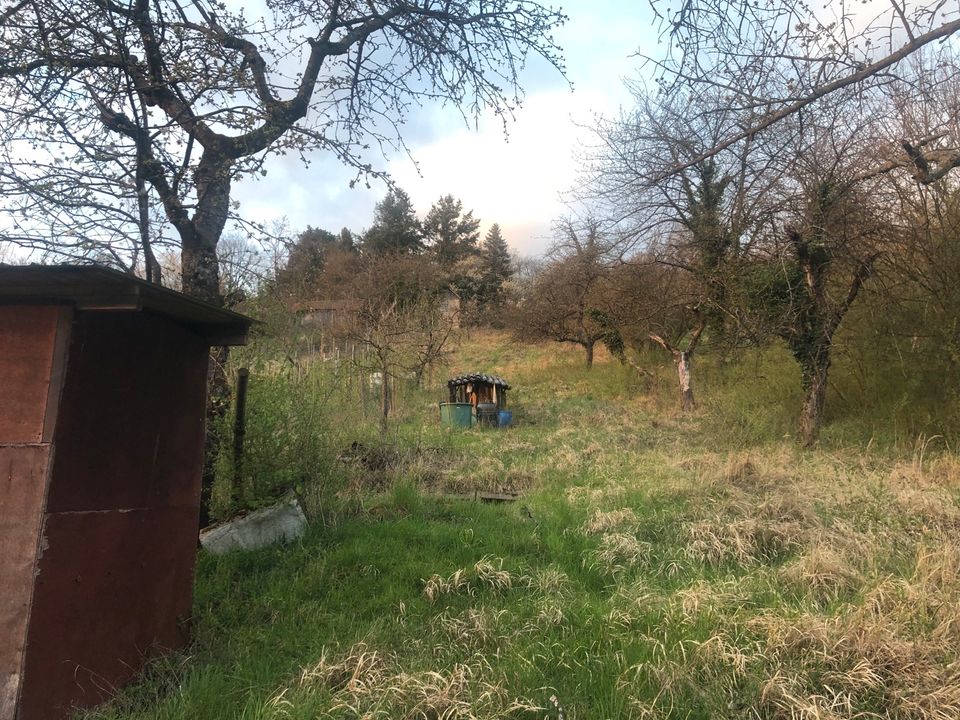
x: 684, y: 361
x: 588, y: 349
x: 812, y: 350
x: 814, y: 320
x: 200, y: 269
x: 814, y: 378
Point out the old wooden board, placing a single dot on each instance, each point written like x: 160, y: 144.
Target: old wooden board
x: 28, y: 336
x: 102, y: 606
x: 130, y: 430
x: 114, y: 582
x: 23, y: 480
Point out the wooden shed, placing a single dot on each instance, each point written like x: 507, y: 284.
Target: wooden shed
x: 102, y: 404
x: 477, y: 388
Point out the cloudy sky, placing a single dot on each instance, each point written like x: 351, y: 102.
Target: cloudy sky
x: 515, y: 181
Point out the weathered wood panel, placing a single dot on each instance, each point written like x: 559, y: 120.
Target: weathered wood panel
x: 114, y: 582
x: 113, y: 588
x: 130, y: 430
x: 28, y: 336
x: 102, y: 398
x: 23, y: 480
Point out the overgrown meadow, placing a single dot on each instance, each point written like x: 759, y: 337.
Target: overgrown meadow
x: 656, y: 565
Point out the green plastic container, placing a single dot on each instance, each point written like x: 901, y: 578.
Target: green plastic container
x: 456, y: 415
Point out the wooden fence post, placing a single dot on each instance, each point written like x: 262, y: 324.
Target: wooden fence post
x: 239, y: 431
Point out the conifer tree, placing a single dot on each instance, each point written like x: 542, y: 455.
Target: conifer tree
x: 452, y: 234
x: 309, y: 256
x: 395, y: 226
x: 495, y: 267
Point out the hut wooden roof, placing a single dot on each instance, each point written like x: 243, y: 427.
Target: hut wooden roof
x: 479, y: 378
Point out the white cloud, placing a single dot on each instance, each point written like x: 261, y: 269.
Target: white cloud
x: 515, y: 181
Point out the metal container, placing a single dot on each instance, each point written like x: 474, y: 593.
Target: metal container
x: 456, y: 415
x: 487, y: 415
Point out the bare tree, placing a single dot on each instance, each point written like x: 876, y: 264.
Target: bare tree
x: 702, y: 218
x: 697, y: 223
x: 923, y: 262
x: 567, y: 288
x: 804, y: 205
x: 818, y: 252
x: 113, y: 108
x: 652, y: 302
x: 683, y: 358
x: 401, y: 321
x: 805, y: 52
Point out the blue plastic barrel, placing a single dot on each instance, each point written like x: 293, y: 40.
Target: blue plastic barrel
x: 504, y: 418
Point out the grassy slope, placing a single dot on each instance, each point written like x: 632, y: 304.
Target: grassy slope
x: 657, y: 566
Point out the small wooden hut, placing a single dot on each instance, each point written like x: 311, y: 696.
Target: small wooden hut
x: 102, y: 395
x: 477, y: 389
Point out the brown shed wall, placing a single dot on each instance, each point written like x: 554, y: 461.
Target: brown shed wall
x: 31, y: 339
x: 23, y: 480
x: 114, y: 579
x: 28, y: 339
x: 130, y: 430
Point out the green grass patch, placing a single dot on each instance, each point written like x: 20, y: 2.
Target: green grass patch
x: 655, y: 565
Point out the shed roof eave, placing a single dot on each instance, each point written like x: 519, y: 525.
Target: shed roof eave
x: 96, y: 288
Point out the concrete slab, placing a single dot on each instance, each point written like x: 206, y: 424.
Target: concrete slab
x: 270, y: 526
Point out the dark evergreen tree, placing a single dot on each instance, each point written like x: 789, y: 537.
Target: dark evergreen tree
x: 345, y: 240
x: 395, y: 228
x: 495, y: 268
x: 308, y: 257
x: 307, y: 254
x: 452, y: 234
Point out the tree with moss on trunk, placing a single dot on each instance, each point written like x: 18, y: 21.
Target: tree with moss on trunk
x: 812, y: 267
x: 700, y: 219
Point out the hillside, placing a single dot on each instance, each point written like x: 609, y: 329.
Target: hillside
x: 656, y: 565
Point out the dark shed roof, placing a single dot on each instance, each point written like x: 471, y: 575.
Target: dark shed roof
x: 99, y: 288
x: 476, y: 377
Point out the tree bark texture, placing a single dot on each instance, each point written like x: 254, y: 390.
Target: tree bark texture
x: 201, y: 279
x: 814, y: 373
x: 684, y: 361
x: 814, y: 320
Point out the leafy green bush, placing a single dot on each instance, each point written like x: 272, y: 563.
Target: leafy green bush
x: 298, y: 420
